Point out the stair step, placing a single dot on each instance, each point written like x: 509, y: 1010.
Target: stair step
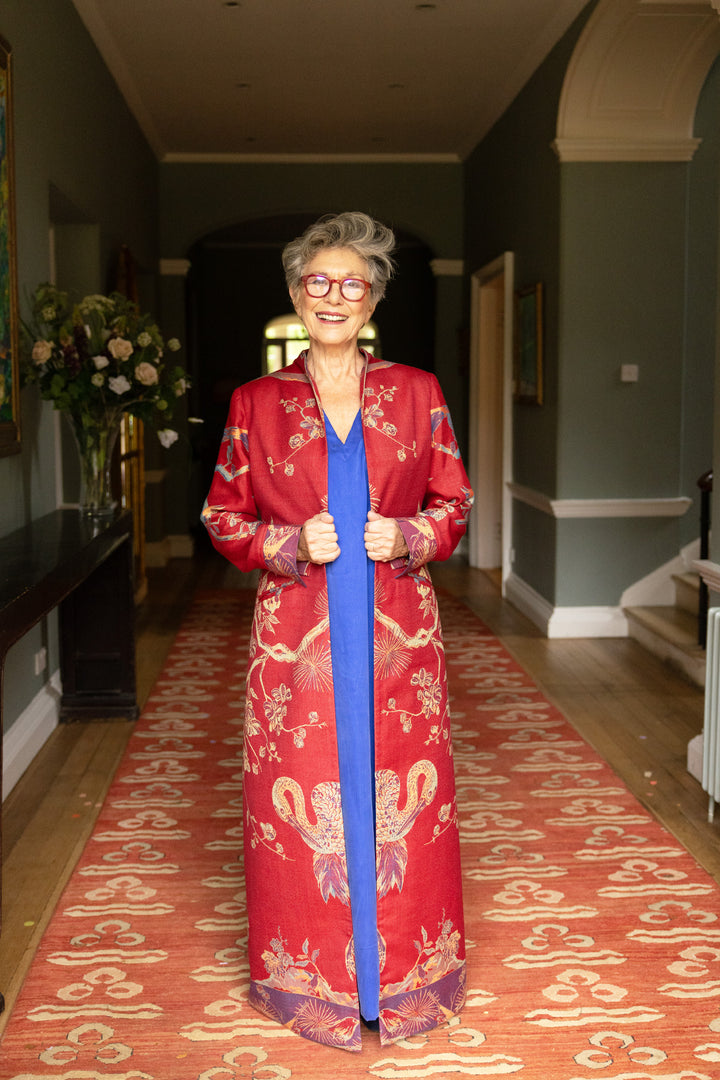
x: 687, y: 591
x: 671, y: 634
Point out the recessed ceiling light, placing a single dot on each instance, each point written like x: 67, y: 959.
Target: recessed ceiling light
x: 230, y: 3
x: 425, y: 7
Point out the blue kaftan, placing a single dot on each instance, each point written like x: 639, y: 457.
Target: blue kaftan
x: 350, y: 581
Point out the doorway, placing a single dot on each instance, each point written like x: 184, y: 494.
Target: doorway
x: 491, y: 375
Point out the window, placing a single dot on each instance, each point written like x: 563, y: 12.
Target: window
x: 286, y: 337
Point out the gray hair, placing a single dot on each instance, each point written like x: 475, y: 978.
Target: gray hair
x: 369, y: 239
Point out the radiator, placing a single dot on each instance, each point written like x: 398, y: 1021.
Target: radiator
x: 711, y: 724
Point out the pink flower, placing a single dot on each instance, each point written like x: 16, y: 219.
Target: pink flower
x: 146, y: 373
x: 42, y: 351
x: 119, y: 348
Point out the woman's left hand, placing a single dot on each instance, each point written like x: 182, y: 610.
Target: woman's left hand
x: 383, y: 538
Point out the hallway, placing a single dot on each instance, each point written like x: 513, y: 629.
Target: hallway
x: 633, y: 710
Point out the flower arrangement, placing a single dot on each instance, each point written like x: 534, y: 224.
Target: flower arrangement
x: 99, y: 358
x: 96, y: 359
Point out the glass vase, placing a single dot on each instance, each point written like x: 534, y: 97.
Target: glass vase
x: 96, y: 443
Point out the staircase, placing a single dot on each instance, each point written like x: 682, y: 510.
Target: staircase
x: 671, y: 632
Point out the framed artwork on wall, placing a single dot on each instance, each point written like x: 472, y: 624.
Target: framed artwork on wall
x: 529, y: 344
x: 9, y: 330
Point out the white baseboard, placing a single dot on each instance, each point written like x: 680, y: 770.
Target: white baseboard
x: 30, y: 732
x: 160, y: 552
x: 565, y: 622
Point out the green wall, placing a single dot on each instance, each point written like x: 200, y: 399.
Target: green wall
x: 627, y: 253
x: 80, y: 160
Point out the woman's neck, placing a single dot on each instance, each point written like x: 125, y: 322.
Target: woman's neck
x: 334, y: 364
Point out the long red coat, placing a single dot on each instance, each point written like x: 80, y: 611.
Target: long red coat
x: 271, y: 476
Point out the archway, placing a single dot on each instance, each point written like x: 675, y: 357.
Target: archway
x: 236, y: 286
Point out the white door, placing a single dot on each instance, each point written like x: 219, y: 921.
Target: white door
x: 491, y: 375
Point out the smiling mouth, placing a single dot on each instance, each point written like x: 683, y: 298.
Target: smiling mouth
x: 329, y: 318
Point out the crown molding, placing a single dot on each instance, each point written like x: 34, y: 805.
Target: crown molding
x: 190, y: 158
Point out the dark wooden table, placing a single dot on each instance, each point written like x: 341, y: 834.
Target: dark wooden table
x: 85, y: 567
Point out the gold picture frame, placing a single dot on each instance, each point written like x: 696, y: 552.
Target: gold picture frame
x: 529, y: 344
x: 9, y: 326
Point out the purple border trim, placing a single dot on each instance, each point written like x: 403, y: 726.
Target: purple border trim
x: 314, y: 1018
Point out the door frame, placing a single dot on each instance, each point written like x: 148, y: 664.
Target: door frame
x: 491, y: 430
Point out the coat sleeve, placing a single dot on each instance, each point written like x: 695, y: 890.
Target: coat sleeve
x: 230, y: 513
x: 434, y: 533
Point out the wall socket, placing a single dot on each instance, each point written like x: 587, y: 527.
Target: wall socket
x: 40, y: 660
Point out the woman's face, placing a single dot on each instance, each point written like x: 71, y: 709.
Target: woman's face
x: 332, y: 320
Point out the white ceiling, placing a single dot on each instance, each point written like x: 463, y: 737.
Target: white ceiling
x: 209, y: 79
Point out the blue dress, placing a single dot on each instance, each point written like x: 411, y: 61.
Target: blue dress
x: 350, y: 581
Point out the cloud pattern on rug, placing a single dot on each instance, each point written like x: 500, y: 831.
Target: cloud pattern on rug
x: 594, y: 938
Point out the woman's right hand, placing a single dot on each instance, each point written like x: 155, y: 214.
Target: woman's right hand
x: 318, y: 540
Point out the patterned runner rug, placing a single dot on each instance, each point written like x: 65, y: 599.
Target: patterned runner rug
x: 594, y: 938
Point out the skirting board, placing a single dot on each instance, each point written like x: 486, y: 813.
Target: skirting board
x: 567, y: 622
x: 30, y: 732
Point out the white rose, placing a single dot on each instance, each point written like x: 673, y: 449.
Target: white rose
x: 167, y: 437
x: 97, y: 379
x: 119, y: 384
x: 120, y: 348
x: 180, y: 387
x: 100, y: 362
x: 144, y: 340
x: 146, y: 374
x: 173, y: 344
x: 42, y: 351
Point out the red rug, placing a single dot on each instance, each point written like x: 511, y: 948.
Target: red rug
x: 594, y: 938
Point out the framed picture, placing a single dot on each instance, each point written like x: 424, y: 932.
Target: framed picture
x: 9, y: 333
x: 529, y: 344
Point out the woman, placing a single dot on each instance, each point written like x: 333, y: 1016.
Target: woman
x: 339, y: 478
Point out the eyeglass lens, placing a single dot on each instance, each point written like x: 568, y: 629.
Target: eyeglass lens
x: 317, y: 285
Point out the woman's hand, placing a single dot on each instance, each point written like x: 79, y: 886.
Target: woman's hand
x: 383, y: 538
x: 318, y: 540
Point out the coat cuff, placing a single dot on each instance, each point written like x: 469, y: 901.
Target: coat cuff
x: 280, y: 551
x: 420, y: 539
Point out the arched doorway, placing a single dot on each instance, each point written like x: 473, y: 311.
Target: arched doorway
x: 236, y: 287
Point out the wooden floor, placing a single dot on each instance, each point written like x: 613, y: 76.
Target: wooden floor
x: 632, y: 708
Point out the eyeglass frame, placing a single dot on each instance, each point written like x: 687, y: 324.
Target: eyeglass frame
x: 339, y: 282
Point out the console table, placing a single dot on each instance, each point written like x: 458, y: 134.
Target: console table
x: 84, y: 566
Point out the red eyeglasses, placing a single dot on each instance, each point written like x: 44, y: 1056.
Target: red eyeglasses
x: 352, y: 289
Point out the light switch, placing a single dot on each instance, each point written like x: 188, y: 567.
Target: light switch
x: 629, y: 373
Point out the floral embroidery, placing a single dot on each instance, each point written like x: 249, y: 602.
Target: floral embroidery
x: 410, y: 1006
x: 264, y: 833
x: 275, y: 708
x: 373, y: 418
x: 448, y: 818
x: 312, y: 428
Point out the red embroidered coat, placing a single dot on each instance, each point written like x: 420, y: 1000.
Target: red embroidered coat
x: 271, y: 476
